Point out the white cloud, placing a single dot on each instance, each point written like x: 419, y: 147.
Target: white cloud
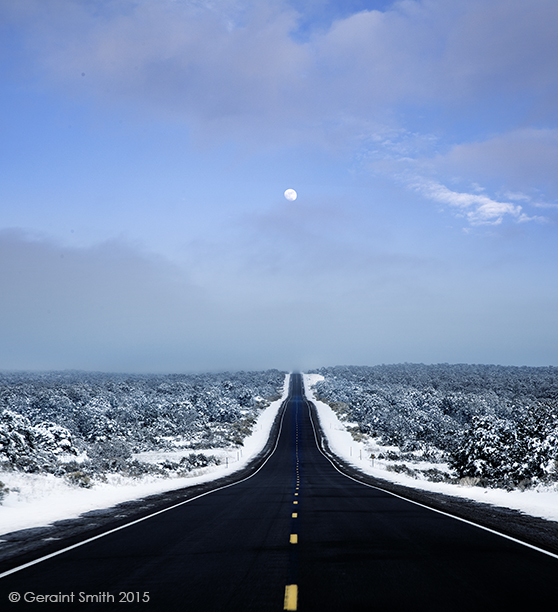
x: 519, y: 197
x: 523, y: 197
x: 479, y: 209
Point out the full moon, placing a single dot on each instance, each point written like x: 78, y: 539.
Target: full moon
x: 290, y: 194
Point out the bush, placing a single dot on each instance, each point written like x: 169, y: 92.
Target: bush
x: 79, y: 479
x: 3, y: 491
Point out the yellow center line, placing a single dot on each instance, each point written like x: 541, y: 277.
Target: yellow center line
x: 291, y: 597
x: 294, y: 538
x: 295, y: 515
x: 295, y: 502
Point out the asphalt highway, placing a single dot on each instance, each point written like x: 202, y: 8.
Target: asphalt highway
x: 297, y: 535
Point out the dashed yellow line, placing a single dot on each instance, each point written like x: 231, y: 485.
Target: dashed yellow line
x: 291, y: 597
x: 291, y: 590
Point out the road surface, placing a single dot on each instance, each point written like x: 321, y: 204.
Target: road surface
x: 296, y: 535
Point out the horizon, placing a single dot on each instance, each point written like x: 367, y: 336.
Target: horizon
x: 292, y: 371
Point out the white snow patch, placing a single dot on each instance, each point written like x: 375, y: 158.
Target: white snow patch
x: 541, y: 502
x: 37, y: 500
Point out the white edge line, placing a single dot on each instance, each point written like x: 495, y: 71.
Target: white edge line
x: 457, y: 518
x: 144, y: 518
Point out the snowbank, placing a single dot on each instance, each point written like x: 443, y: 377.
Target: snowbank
x: 37, y: 500
x: 541, y: 502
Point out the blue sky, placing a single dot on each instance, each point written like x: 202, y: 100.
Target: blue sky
x: 146, y: 145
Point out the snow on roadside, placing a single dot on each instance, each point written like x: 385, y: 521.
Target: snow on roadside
x: 36, y: 500
x: 541, y: 502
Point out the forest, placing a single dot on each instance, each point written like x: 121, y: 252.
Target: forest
x: 492, y: 425
x: 80, y: 425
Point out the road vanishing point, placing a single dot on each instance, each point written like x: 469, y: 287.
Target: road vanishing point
x: 297, y: 534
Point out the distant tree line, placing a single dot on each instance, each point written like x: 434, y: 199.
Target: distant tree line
x: 497, y: 425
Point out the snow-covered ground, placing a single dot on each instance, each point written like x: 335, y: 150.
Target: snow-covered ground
x: 36, y: 500
x: 542, y: 501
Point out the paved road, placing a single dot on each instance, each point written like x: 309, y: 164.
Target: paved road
x: 297, y: 532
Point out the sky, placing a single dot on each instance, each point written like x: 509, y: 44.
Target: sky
x: 145, y: 146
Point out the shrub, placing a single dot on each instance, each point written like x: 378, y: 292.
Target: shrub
x: 3, y: 491
x: 79, y: 479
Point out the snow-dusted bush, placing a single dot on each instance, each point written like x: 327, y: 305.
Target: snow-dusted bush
x: 509, y: 452
x: 32, y: 448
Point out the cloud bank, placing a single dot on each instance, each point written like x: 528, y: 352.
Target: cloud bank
x: 63, y: 306
x: 115, y: 307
